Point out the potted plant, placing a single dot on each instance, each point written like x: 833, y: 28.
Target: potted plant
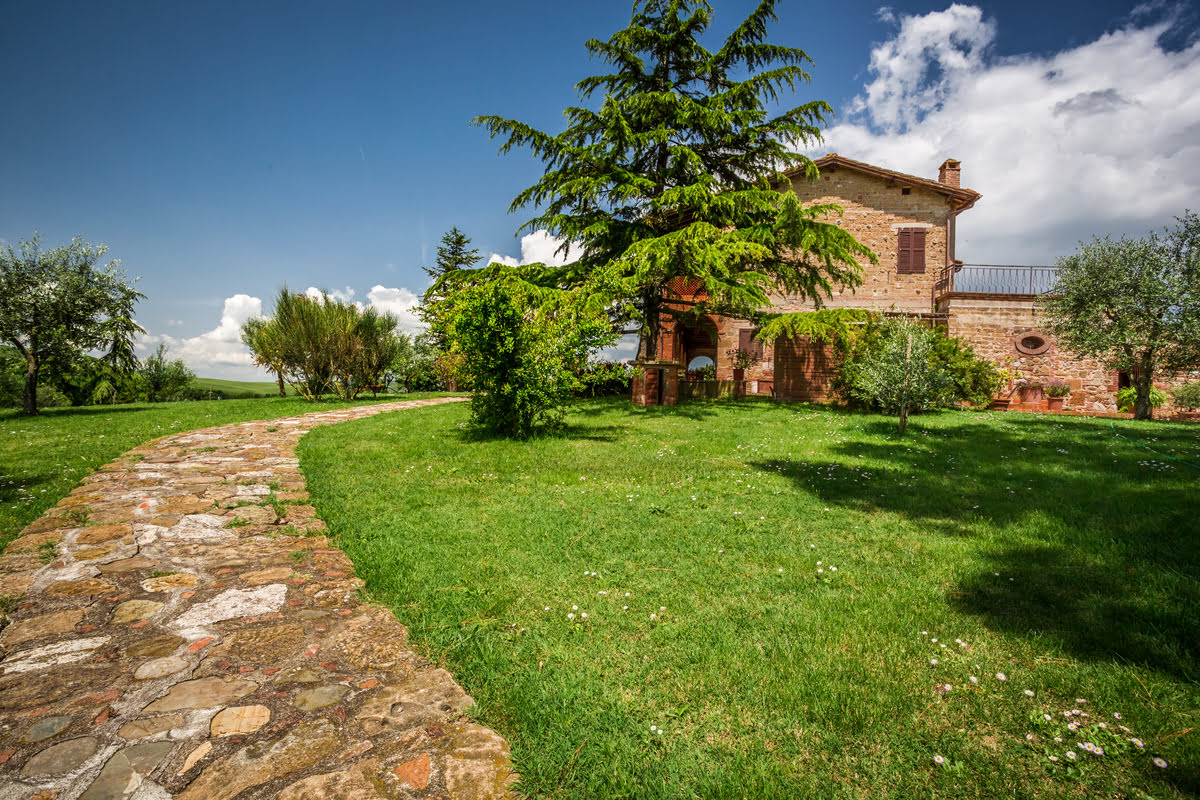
x: 1008, y: 374
x: 741, y: 359
x: 1031, y: 391
x: 1056, y: 395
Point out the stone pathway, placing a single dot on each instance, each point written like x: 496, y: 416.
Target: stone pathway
x: 184, y: 640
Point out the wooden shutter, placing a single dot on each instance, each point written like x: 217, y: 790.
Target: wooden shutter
x: 910, y: 250
x: 747, y: 342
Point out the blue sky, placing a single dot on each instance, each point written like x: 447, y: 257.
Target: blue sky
x: 222, y: 149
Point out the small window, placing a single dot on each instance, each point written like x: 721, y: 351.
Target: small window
x: 910, y: 250
x: 906, y: 190
x: 1031, y: 343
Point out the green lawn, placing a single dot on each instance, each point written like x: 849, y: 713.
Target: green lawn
x: 43, y: 457
x: 219, y: 385
x: 757, y: 590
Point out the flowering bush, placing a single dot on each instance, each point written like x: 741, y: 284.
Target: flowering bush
x: 1057, y: 389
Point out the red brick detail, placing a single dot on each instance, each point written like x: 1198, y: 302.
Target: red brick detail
x: 415, y: 773
x: 200, y: 645
x: 99, y: 697
x: 803, y: 370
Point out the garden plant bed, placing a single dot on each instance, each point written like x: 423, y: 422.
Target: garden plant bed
x: 1043, y: 549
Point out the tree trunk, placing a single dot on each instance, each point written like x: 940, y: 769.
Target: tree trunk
x: 1143, y: 383
x: 29, y: 401
x: 279, y: 380
x: 650, y: 329
x: 903, y: 417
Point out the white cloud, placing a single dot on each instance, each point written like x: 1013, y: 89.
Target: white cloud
x: 538, y: 247
x: 219, y: 352
x: 1100, y: 138
x: 400, y: 302
x: 342, y: 295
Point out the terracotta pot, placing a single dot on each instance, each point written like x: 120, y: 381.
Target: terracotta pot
x: 1055, y: 403
x: 739, y: 374
x: 999, y: 404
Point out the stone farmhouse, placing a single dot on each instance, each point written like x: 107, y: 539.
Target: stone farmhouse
x: 909, y: 223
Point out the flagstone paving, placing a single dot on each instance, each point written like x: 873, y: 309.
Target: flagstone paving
x: 194, y: 635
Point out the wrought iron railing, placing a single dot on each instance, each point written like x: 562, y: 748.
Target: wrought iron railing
x: 996, y: 279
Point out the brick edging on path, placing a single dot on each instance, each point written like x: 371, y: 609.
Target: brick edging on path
x: 163, y: 654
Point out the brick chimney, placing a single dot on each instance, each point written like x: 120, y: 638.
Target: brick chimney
x: 950, y: 172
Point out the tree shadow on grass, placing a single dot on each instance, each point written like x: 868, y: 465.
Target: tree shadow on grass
x: 1099, y: 537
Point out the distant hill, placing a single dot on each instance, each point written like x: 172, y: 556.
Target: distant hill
x: 240, y: 388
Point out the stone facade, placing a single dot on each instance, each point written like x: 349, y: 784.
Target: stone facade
x: 1003, y: 328
x: 909, y: 223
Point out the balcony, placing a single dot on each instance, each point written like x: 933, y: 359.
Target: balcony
x: 994, y: 279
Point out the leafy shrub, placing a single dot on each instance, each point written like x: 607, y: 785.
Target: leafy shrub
x: 706, y: 373
x: 1187, y: 396
x: 161, y: 379
x: 49, y: 397
x: 522, y: 361
x: 606, y: 379
x: 972, y: 379
x: 901, y: 375
x: 1057, y: 389
x: 1127, y: 398
x: 320, y: 344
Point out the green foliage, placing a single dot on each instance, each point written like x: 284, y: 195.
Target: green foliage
x: 973, y: 379
x: 455, y: 252
x: 413, y: 367
x: 677, y: 174
x: 1134, y: 304
x: 161, y: 379
x: 1187, y: 396
x: 322, y: 345
x: 49, y: 397
x: 523, y: 361
x: 1057, y: 389
x: 830, y: 325
x: 57, y: 304
x: 606, y: 378
x: 1127, y: 398
x: 899, y: 375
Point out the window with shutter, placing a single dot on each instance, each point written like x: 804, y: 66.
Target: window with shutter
x: 747, y: 342
x: 910, y: 250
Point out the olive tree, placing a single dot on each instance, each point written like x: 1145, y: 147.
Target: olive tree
x: 899, y: 375
x: 57, y: 304
x: 1133, y: 304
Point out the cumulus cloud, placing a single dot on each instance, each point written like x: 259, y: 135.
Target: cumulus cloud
x: 1099, y: 138
x: 538, y: 247
x: 402, y: 303
x: 218, y: 352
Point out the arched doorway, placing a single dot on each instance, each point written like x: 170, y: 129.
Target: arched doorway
x: 695, y: 341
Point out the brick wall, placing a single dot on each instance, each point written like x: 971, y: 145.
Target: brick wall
x: 803, y: 370
x: 994, y: 327
x: 874, y: 214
